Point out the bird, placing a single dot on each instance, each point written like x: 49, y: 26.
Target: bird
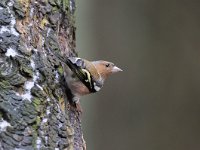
x: 84, y: 77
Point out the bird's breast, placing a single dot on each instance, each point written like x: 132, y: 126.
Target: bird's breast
x: 78, y: 88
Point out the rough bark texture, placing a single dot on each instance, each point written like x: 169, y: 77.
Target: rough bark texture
x: 33, y: 112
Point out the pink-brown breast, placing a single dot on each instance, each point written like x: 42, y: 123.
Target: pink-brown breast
x: 79, y: 88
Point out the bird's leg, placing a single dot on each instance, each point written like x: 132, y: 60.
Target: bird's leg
x: 74, y: 103
x: 76, y: 106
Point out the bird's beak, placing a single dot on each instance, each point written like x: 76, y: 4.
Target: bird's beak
x: 116, y: 69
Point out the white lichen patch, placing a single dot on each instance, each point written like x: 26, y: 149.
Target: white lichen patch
x: 10, y: 3
x: 30, y: 24
x: 17, y: 94
x: 38, y: 143
x: 4, y: 29
x: 13, y: 31
x: 31, y: 12
x: 48, y: 31
x: 11, y: 52
x: 32, y: 64
x: 70, y: 5
x: 56, y: 77
x: 36, y: 76
x: 27, y: 95
x: 42, y: 44
x: 48, y: 110
x: 44, y: 120
x: 35, y: 50
x: 43, y: 41
x: 29, y: 38
x: 27, y: 86
x: 46, y: 139
x: 11, y: 28
x: 60, y: 125
x: 3, y: 125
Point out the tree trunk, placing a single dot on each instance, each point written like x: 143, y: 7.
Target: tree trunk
x: 34, y: 112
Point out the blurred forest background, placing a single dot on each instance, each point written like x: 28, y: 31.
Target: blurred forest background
x: 154, y: 104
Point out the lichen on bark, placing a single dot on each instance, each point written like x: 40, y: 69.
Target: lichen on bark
x: 33, y: 105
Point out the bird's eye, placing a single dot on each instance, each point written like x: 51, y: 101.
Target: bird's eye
x: 107, y: 65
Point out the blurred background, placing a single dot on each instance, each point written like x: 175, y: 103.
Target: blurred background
x: 154, y: 104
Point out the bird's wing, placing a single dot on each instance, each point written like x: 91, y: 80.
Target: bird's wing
x: 80, y: 68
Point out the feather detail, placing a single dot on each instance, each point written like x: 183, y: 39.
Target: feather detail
x: 85, y: 71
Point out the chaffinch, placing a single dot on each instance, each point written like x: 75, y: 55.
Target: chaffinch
x: 85, y: 77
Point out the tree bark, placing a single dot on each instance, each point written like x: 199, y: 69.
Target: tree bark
x: 34, y: 112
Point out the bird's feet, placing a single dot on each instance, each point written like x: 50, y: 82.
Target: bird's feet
x: 76, y: 107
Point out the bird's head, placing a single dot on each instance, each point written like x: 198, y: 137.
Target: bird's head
x: 106, y: 68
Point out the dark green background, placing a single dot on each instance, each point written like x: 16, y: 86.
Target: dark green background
x: 154, y: 104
